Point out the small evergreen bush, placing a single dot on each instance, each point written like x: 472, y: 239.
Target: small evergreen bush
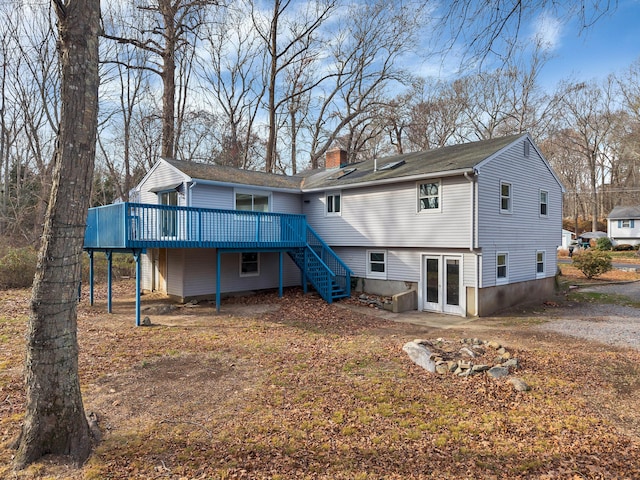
x: 592, y: 262
x: 604, y: 243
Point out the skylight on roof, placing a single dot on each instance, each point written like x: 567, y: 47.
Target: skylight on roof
x: 343, y: 172
x: 392, y: 165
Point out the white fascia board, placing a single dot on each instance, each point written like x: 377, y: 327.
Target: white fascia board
x: 387, y: 181
x: 216, y: 183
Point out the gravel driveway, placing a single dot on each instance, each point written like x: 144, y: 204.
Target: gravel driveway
x: 609, y: 324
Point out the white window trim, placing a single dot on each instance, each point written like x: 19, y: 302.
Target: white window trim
x: 377, y: 275
x: 622, y: 223
x: 261, y: 193
x: 251, y: 274
x: 510, y: 209
x: 419, y: 204
x: 502, y: 280
x: 544, y: 264
x: 332, y: 194
x: 540, y: 192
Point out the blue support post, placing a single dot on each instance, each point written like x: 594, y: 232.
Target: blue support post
x: 281, y: 269
x: 91, y: 273
x: 136, y: 256
x: 304, y: 273
x: 218, y: 280
x: 108, y: 253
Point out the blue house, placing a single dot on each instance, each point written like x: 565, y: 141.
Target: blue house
x: 466, y: 230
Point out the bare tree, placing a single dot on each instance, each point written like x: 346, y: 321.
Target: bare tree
x: 55, y: 421
x: 287, y: 40
x: 170, y: 35
x: 231, y: 70
x: 585, y: 112
x: 364, y: 54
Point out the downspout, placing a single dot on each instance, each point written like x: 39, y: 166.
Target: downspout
x: 189, y: 193
x: 472, y: 203
x: 472, y: 235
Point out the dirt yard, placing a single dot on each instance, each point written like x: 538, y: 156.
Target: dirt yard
x: 295, y: 388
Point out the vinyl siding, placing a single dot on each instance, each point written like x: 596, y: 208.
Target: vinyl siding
x: 162, y: 175
x: 214, y: 196
x: 209, y: 196
x: 405, y: 264
x: 145, y: 268
x: 522, y: 232
x: 200, y: 265
x: 387, y: 216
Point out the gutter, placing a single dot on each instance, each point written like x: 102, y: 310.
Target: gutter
x: 217, y: 183
x: 386, y: 181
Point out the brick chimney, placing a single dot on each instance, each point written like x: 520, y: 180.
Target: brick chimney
x: 335, y: 158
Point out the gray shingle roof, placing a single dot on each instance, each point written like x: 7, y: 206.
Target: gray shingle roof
x: 430, y: 162
x: 624, y: 213
x: 219, y: 173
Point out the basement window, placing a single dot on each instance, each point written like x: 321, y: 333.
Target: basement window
x: 249, y: 264
x: 377, y: 264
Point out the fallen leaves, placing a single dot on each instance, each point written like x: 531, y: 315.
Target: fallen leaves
x: 303, y: 389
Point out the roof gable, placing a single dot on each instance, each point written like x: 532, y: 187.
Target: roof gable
x: 624, y: 213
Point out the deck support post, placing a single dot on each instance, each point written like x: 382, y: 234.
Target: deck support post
x: 280, y: 270
x: 218, y: 255
x: 304, y: 273
x: 91, y: 273
x: 136, y: 256
x: 109, y: 254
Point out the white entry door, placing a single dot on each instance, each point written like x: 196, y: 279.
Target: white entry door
x: 452, y: 285
x: 443, y: 284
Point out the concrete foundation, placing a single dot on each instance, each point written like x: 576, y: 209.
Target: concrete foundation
x: 494, y: 299
x: 384, y: 288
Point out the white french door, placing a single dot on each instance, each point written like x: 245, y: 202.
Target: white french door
x: 443, y: 284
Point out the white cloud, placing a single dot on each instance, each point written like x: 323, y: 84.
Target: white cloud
x: 547, y: 31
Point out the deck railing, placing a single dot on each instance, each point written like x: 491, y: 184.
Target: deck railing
x: 137, y: 225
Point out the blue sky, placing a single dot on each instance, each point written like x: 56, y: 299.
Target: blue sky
x: 609, y: 46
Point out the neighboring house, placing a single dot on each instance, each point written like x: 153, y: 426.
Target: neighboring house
x: 623, y: 225
x: 466, y: 230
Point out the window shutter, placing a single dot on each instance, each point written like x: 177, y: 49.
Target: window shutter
x: 631, y: 224
x: 619, y: 223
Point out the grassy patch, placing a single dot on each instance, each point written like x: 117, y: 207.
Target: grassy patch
x: 607, y: 298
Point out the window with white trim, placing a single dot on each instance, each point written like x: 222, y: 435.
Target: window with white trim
x: 429, y: 196
x: 377, y: 264
x: 544, y: 203
x: 625, y: 224
x: 334, y: 203
x: 252, y: 202
x: 540, y: 263
x: 249, y: 264
x: 168, y: 217
x: 502, y: 268
x: 505, y: 197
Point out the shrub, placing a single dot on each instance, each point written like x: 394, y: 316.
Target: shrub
x: 623, y: 247
x: 592, y: 262
x: 18, y: 267
x: 604, y: 243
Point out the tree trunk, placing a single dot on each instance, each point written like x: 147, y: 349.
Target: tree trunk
x: 55, y: 421
x: 168, y: 79
x: 269, y: 162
